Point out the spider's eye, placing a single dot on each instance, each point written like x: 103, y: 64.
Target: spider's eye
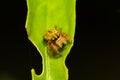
x: 49, y: 31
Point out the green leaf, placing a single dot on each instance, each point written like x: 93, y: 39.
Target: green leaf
x: 44, y: 15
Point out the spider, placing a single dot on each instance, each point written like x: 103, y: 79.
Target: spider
x: 56, y: 40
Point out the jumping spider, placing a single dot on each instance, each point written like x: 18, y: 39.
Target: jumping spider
x: 56, y: 40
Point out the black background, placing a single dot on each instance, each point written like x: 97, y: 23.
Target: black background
x: 94, y: 56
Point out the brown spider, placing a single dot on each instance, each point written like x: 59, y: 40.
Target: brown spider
x: 56, y: 40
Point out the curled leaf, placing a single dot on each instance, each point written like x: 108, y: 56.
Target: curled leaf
x: 44, y: 15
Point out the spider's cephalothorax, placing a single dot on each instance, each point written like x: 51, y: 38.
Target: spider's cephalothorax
x: 56, y: 40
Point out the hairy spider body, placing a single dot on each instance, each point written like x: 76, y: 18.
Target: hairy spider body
x: 56, y: 40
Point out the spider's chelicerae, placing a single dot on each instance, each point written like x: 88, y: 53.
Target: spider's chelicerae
x: 56, y: 40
